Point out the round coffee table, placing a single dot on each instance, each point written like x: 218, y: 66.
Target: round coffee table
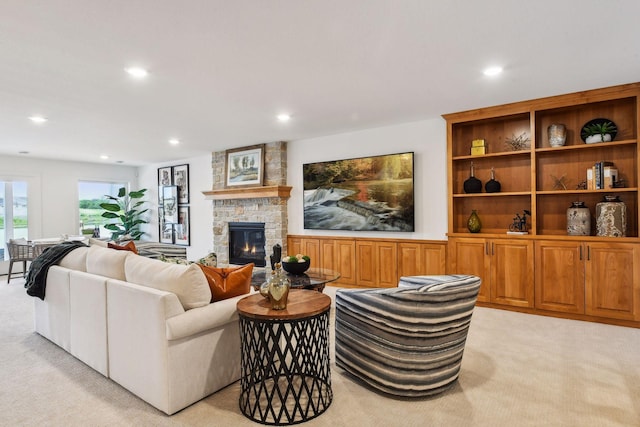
x: 313, y: 278
x: 285, y: 377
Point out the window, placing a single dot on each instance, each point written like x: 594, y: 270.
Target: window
x: 13, y: 212
x: 90, y: 195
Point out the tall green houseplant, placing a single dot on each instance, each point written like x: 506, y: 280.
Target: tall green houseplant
x: 125, y: 208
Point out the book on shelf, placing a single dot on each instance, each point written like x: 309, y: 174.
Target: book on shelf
x: 601, y: 175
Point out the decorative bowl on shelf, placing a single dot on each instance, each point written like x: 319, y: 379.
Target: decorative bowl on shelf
x: 598, y: 130
x: 296, y: 268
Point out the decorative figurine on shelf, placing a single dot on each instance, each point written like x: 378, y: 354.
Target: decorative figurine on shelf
x: 275, y: 257
x: 518, y: 143
x: 559, y: 183
x: 520, y: 223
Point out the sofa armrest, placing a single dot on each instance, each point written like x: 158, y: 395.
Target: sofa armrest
x: 201, y: 319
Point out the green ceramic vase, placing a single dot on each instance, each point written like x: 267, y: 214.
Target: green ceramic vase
x: 473, y: 223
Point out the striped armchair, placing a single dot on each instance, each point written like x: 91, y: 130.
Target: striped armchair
x: 406, y: 341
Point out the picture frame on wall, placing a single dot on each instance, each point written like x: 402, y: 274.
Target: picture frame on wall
x: 182, y: 228
x: 165, y: 231
x: 347, y: 194
x: 165, y: 177
x: 181, y: 180
x: 170, y: 204
x: 244, y: 166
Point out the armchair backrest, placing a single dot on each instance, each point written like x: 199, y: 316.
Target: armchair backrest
x: 20, y: 251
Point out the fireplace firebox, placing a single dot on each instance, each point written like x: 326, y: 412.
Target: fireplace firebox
x: 247, y: 243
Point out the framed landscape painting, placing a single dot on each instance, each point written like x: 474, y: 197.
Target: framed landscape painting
x: 244, y: 166
x: 362, y: 194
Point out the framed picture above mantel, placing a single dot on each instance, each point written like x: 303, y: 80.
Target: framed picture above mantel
x: 244, y: 167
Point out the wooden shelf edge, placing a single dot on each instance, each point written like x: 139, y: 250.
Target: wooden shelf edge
x: 266, y: 191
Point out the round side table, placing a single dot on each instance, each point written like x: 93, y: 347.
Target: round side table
x: 285, y: 376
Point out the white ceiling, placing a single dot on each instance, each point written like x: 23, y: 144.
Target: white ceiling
x: 220, y: 70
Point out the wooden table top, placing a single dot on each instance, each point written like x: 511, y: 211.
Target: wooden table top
x: 301, y: 303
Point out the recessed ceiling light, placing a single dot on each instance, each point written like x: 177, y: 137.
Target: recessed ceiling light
x: 492, y: 71
x: 38, y: 119
x: 137, y: 72
x: 104, y: 157
x: 174, y: 141
x: 284, y: 117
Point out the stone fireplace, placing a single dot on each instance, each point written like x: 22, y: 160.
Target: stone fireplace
x: 266, y: 204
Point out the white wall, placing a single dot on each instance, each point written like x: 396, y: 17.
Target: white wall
x: 53, y: 189
x: 427, y: 139
x: 201, y: 210
x: 53, y: 185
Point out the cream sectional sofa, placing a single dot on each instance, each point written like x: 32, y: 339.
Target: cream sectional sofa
x: 147, y: 325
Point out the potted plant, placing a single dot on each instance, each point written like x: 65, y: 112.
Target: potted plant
x: 598, y: 130
x: 125, y: 208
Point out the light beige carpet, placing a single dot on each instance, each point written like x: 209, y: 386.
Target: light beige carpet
x: 518, y: 370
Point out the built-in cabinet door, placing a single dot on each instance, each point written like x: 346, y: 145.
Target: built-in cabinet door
x: 377, y: 263
x: 387, y: 264
x: 294, y: 246
x: 311, y: 248
x: 468, y: 256
x: 365, y: 259
x: 512, y: 272
x: 417, y: 259
x: 612, y: 280
x: 345, y: 261
x: 560, y: 276
x: 327, y: 255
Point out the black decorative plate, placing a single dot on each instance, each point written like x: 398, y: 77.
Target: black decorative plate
x: 598, y: 122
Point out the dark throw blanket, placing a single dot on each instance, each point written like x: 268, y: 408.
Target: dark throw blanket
x: 37, y: 275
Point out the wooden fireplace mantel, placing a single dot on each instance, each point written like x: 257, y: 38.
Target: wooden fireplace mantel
x: 280, y: 191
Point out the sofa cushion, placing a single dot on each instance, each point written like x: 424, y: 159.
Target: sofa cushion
x: 76, y: 259
x: 130, y: 246
x: 106, y: 262
x: 97, y: 242
x: 187, y: 282
x: 228, y: 282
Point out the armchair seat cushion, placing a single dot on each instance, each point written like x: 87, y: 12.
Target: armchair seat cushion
x: 406, y: 341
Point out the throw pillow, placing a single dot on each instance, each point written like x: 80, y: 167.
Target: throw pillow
x: 186, y: 281
x: 228, y: 282
x: 97, y: 242
x: 128, y: 247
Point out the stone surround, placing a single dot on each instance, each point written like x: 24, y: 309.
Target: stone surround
x: 272, y: 211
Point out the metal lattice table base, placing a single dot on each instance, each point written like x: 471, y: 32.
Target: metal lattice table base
x: 285, y: 369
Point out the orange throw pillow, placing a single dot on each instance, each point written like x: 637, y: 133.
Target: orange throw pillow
x: 228, y: 282
x: 128, y: 247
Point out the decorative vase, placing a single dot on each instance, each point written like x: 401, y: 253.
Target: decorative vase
x: 473, y: 223
x: 492, y: 186
x: 557, y: 134
x: 279, y: 289
x: 472, y: 184
x: 578, y: 220
x: 611, y: 217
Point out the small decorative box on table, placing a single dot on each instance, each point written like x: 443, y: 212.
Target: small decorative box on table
x: 285, y: 376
